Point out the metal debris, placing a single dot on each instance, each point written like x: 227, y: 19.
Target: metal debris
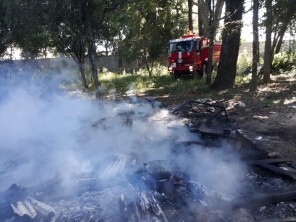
x: 33, y: 208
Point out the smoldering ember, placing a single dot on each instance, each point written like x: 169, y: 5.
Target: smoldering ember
x: 74, y: 158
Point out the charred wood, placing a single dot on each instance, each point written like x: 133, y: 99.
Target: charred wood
x: 215, y: 111
x: 264, y: 199
x: 287, y: 219
x: 269, y: 165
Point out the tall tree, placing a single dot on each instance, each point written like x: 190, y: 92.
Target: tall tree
x: 200, y: 22
x: 284, y: 15
x: 148, y: 26
x: 279, y: 16
x: 28, y: 25
x: 230, y: 45
x: 96, y: 13
x: 267, y: 47
x: 190, y: 21
x: 210, y: 14
x: 253, y: 85
x: 77, y: 27
x: 67, y: 32
x: 89, y: 24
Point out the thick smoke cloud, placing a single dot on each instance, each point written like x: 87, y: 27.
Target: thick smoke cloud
x: 51, y: 134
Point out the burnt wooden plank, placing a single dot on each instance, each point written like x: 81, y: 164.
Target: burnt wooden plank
x: 266, y: 198
x: 248, y: 147
x: 270, y: 164
x: 246, y: 142
x: 277, y: 170
x: 270, y: 161
x: 287, y: 219
x: 211, y: 134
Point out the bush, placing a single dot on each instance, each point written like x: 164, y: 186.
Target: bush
x: 244, y: 63
x: 283, y: 62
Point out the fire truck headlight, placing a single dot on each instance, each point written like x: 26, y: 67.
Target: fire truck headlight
x: 170, y: 69
x: 190, y: 68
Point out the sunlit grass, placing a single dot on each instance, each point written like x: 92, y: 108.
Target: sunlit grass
x: 243, y: 79
x: 141, y: 83
x: 167, y: 89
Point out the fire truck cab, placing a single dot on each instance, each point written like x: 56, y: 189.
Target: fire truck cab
x: 188, y: 55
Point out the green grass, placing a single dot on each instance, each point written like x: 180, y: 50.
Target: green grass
x: 168, y: 90
x: 141, y: 83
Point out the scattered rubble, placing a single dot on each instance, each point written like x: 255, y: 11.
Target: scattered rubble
x: 160, y: 190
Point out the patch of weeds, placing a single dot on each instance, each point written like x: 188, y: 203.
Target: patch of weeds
x: 140, y: 82
x: 244, y: 63
x: 283, y: 62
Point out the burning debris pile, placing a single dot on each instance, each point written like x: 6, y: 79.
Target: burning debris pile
x: 73, y: 159
x: 270, y: 190
x: 155, y: 192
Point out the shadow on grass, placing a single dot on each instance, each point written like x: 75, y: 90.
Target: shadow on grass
x: 173, y: 91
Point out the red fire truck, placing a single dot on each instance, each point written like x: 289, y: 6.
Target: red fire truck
x: 188, y: 55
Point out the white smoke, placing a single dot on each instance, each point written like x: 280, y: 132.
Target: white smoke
x: 45, y: 135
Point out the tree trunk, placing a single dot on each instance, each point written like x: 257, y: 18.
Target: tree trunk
x: 94, y: 70
x: 210, y: 58
x: 149, y: 69
x: 200, y: 24
x: 253, y: 86
x: 289, y: 14
x: 267, y: 47
x: 225, y: 78
x: 79, y: 59
x: 82, y: 73
x: 190, y: 21
x: 90, y: 38
x: 203, y: 14
x: 212, y: 35
x: 215, y: 14
x: 281, y: 33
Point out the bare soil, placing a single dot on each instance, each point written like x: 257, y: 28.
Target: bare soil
x: 268, y: 116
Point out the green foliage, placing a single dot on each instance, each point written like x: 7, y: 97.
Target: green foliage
x: 28, y: 26
x: 148, y: 26
x: 3, y: 30
x: 244, y: 63
x: 284, y: 61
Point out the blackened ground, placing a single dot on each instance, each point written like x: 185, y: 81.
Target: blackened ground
x: 267, y: 116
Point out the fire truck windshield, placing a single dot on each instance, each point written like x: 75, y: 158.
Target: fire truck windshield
x: 182, y: 46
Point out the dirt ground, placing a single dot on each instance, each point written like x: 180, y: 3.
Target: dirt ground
x: 268, y: 116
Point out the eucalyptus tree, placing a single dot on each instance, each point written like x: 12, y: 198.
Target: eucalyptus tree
x: 190, y: 20
x: 230, y: 45
x: 267, y: 46
x: 280, y: 15
x: 253, y: 85
x: 67, y: 31
x: 284, y: 15
x: 96, y: 20
x: 77, y: 28
x: 210, y: 16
